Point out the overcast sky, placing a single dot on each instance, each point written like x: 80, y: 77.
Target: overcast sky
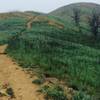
x: 36, y: 5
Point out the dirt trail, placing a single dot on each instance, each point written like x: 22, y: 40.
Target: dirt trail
x: 42, y: 18
x: 29, y: 24
x: 18, y: 79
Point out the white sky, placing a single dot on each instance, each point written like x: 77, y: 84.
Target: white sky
x: 36, y: 5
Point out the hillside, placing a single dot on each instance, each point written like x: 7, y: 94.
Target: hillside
x: 33, y: 46
x: 55, y: 49
x: 13, y: 22
x: 66, y: 11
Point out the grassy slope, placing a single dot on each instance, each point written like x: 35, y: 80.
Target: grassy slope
x: 66, y: 11
x: 64, y: 53
x: 66, y: 14
x: 66, y: 60
x: 10, y: 23
x: 13, y: 22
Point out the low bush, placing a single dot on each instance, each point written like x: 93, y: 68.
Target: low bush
x: 53, y: 93
x: 81, y: 96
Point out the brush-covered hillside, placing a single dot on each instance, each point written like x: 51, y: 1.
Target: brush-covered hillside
x: 67, y: 11
x: 13, y: 22
x: 52, y: 47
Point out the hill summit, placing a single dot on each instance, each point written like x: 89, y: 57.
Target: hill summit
x: 65, y: 11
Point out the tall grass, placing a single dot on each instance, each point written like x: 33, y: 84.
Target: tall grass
x: 9, y: 27
x: 58, y: 55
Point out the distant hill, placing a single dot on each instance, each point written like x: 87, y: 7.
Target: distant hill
x: 18, y: 14
x: 86, y: 8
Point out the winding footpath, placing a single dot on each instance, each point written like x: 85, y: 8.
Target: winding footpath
x: 17, y: 78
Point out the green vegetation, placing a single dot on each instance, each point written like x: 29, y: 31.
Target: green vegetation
x: 53, y: 93
x: 81, y: 96
x: 4, y: 38
x: 65, y: 53
x: 49, y: 48
x: 9, y: 27
x: 67, y: 11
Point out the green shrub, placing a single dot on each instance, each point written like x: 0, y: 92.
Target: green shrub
x: 53, y: 93
x: 81, y: 96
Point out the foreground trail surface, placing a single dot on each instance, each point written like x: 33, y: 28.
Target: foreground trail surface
x: 17, y: 78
